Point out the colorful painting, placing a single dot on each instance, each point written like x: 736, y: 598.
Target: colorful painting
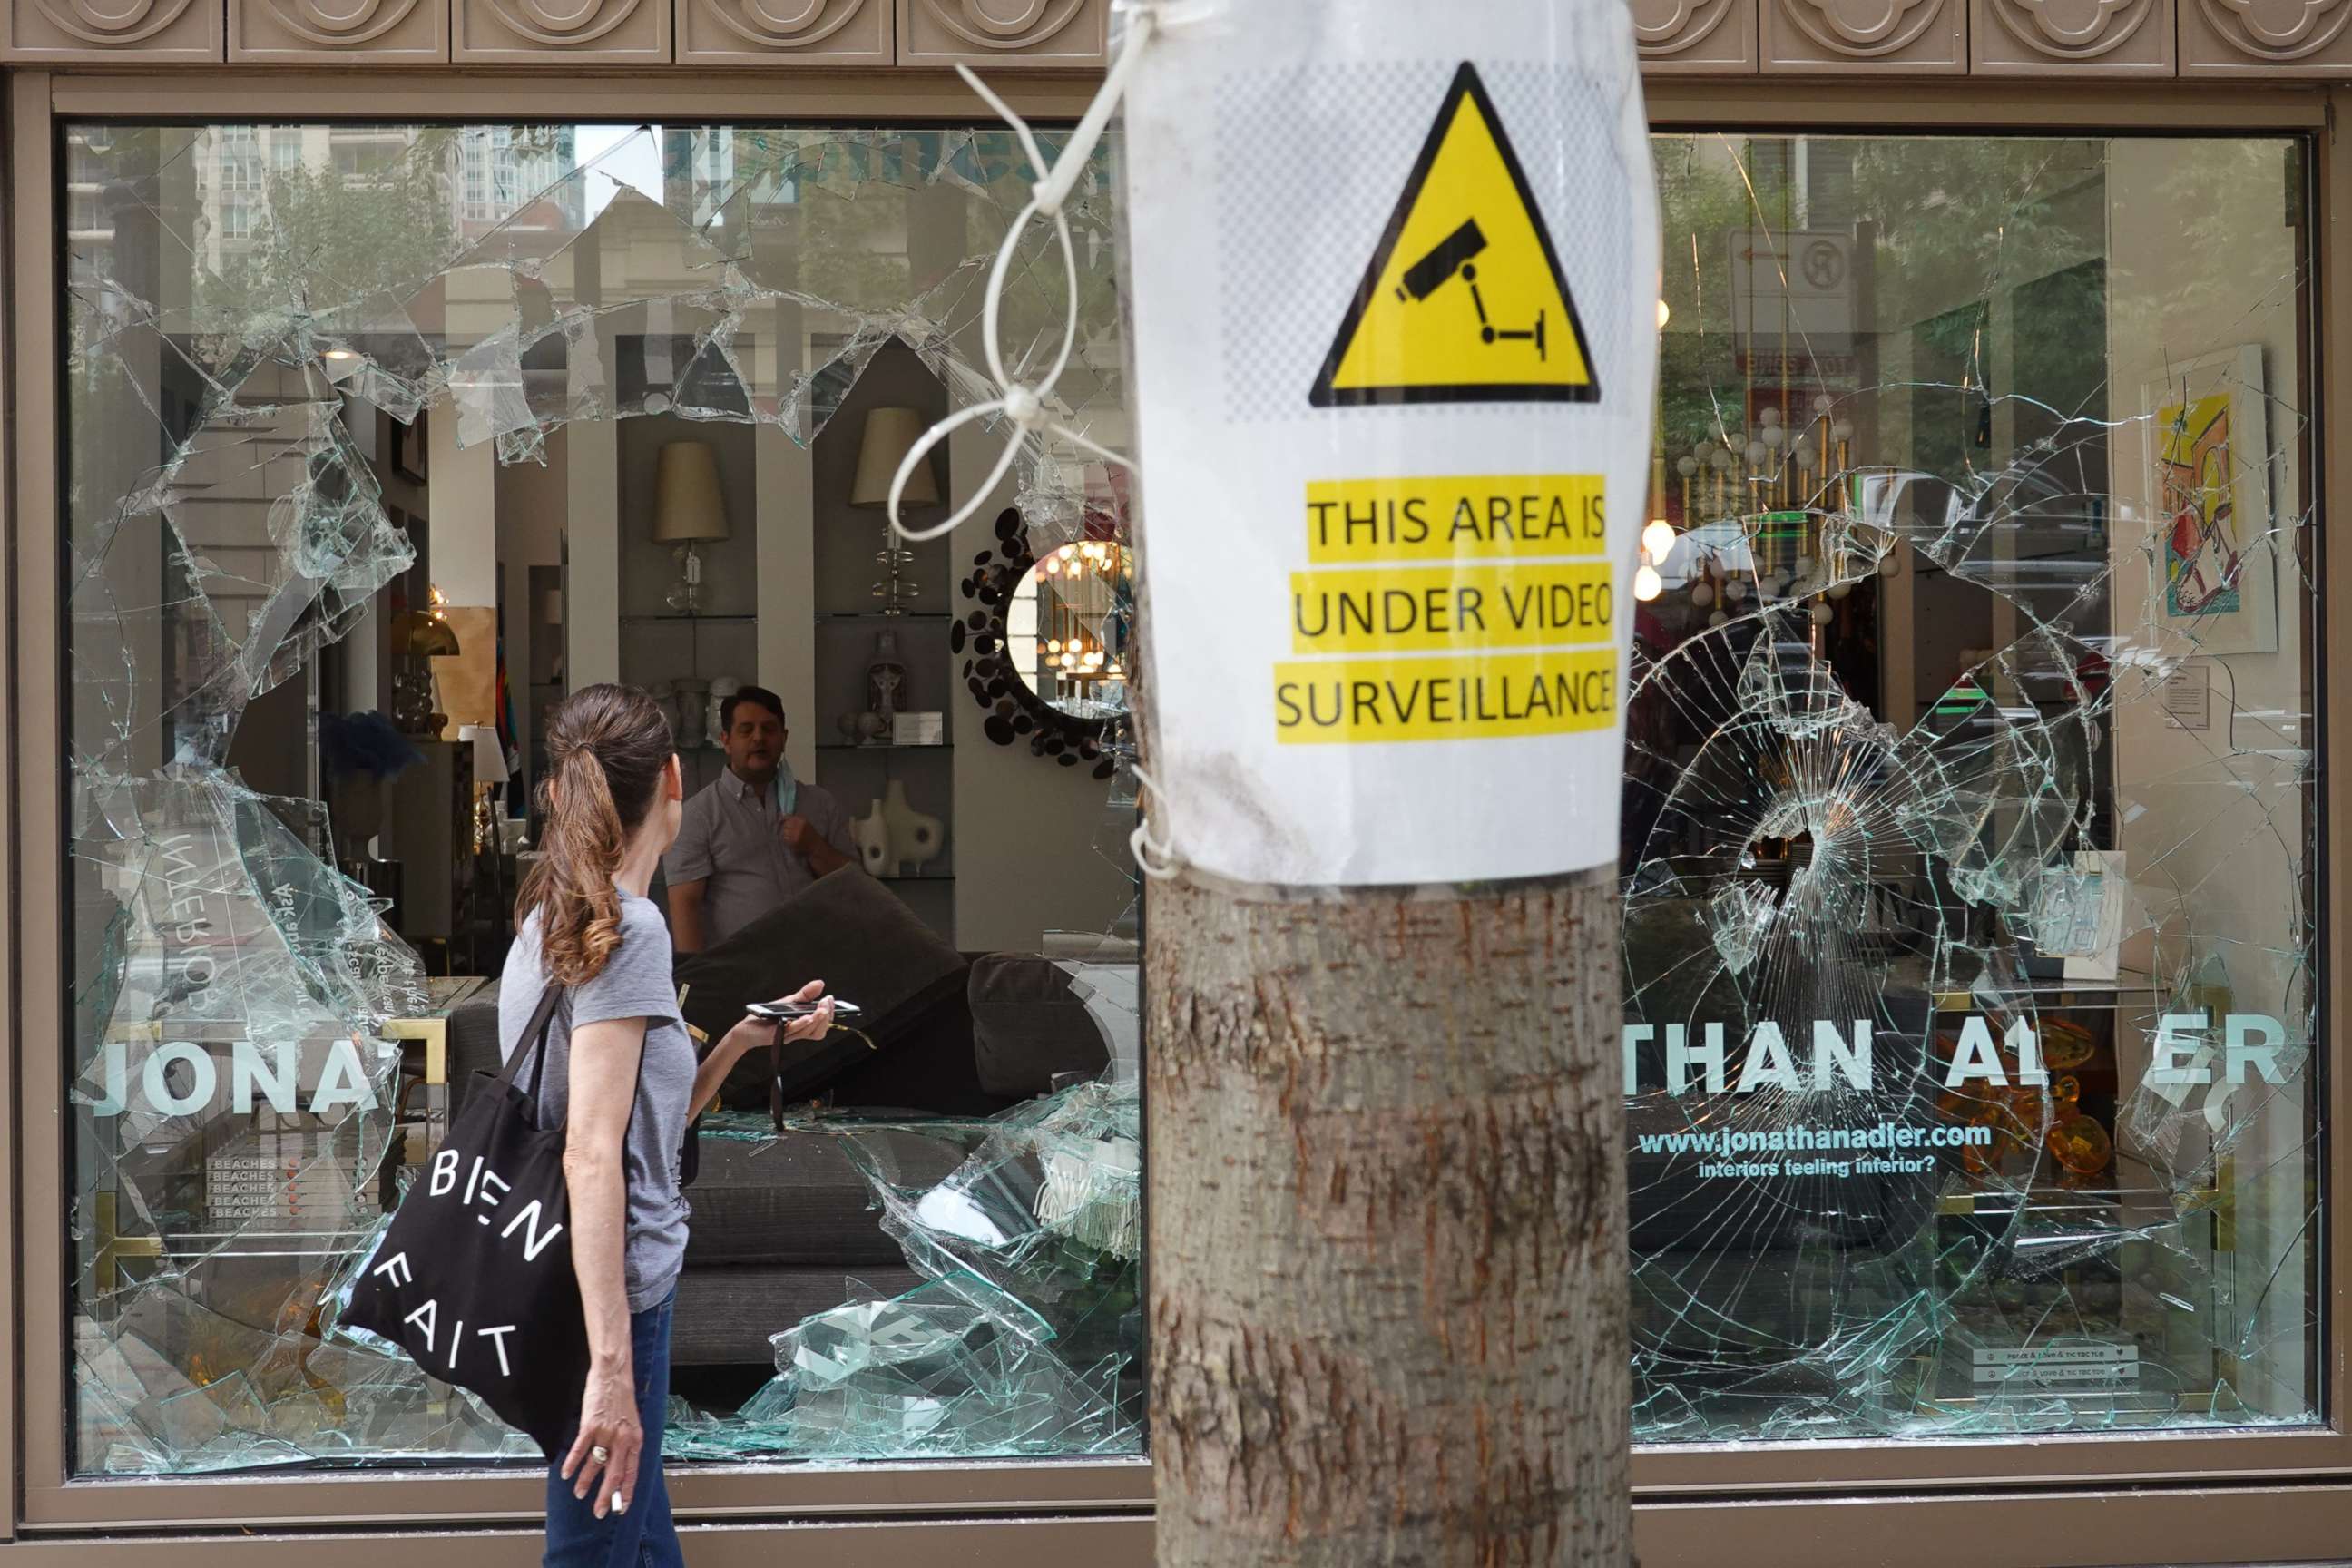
x: 2209, y: 491
x: 2202, y: 555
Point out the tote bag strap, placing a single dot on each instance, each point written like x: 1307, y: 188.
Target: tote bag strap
x: 542, y: 1019
x: 542, y: 1024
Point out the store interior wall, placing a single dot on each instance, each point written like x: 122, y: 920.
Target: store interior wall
x: 2215, y: 857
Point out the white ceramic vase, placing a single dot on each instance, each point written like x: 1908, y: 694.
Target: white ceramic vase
x: 871, y: 834
x: 916, y: 837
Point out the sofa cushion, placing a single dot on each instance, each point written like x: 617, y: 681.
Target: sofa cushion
x: 1027, y: 1025
x: 794, y: 1199
x: 847, y: 929
x: 725, y: 1315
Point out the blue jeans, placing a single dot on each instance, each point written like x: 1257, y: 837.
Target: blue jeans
x: 646, y: 1536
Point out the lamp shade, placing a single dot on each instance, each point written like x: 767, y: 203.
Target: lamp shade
x: 688, y: 506
x: 890, y: 435
x: 489, y: 757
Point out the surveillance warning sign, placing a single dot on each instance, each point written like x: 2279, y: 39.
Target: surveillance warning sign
x: 1393, y: 347
x: 1463, y: 302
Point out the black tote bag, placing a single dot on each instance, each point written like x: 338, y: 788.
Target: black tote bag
x: 473, y: 1277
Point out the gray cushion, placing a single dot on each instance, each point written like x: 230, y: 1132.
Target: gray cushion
x: 847, y: 929
x: 795, y: 1200
x: 1027, y: 1025
x: 725, y: 1315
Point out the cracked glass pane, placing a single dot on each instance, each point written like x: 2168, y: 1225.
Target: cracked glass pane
x: 1968, y: 848
x: 368, y: 463
x: 1968, y: 854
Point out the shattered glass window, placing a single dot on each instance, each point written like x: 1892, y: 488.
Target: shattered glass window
x: 366, y: 429
x: 1969, y: 842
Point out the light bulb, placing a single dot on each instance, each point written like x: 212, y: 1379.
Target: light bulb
x: 1664, y: 315
x: 1686, y: 467
x: 1703, y: 593
x: 1718, y: 618
x: 1658, y: 538
x: 1647, y: 584
x: 1053, y: 645
x: 1820, y: 614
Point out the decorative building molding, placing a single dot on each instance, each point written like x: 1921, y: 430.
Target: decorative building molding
x: 1709, y: 36
x: 1876, y: 37
x: 1075, y: 33
x: 2270, y: 38
x: 2071, y: 37
x: 374, y: 32
x: 2247, y: 40
x: 147, y: 31
x: 785, y: 32
x: 561, y: 32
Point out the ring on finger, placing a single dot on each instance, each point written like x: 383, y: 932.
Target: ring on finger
x: 601, y: 1454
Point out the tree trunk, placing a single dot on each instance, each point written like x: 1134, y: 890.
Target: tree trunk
x: 1387, y: 1247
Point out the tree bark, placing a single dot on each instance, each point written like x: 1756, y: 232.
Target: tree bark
x: 1387, y: 1254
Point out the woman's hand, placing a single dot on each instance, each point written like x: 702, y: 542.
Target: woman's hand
x: 755, y: 1034
x: 609, y: 1427
x: 817, y: 1024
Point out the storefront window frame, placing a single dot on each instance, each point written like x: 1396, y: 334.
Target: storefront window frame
x: 34, y: 706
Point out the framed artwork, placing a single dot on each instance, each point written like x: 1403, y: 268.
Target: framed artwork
x: 2209, y: 456
x: 408, y: 448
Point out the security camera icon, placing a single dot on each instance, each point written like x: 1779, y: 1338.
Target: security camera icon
x: 1455, y: 256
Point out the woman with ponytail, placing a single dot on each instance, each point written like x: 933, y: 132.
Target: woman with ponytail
x: 622, y: 1077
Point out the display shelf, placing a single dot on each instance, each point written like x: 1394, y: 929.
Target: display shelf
x: 687, y: 620
x: 875, y: 618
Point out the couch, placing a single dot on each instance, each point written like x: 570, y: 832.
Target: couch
x: 781, y: 1222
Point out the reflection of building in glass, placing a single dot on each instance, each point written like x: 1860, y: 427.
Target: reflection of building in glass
x: 502, y: 167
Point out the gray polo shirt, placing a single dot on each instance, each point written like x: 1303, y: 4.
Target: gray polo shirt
x: 728, y: 840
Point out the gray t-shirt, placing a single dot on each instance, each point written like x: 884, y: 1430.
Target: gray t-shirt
x: 635, y: 984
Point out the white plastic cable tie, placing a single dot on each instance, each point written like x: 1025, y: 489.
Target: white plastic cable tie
x: 1154, y: 857
x: 1028, y: 408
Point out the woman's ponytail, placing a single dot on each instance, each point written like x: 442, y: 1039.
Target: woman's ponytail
x: 608, y: 746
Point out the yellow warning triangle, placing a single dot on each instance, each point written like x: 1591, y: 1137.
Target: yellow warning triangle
x: 1463, y: 302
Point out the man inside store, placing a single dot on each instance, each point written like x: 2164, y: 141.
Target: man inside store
x: 755, y: 835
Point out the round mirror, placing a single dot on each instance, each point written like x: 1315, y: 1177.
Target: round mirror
x: 1065, y: 629
x: 1047, y: 644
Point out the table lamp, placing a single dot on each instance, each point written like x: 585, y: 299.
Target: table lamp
x: 490, y: 771
x: 687, y: 511
x: 890, y: 434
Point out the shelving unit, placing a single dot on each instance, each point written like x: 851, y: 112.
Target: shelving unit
x: 670, y: 647
x: 849, y: 621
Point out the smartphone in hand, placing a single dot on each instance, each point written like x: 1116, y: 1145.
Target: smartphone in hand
x: 785, y: 1010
